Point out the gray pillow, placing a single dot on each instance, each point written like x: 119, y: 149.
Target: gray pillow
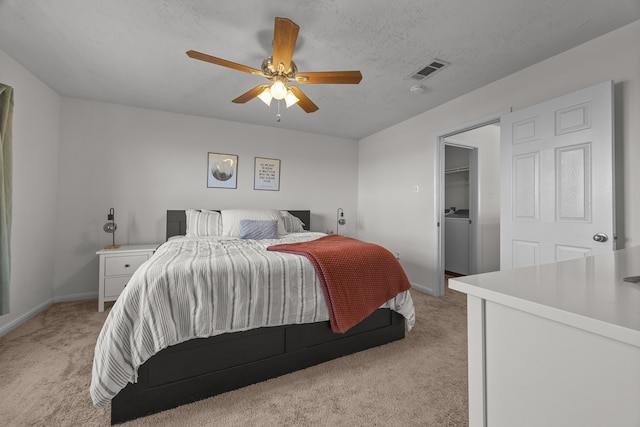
x: 257, y: 229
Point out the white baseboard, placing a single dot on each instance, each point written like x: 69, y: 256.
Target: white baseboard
x: 41, y: 307
x: 75, y: 297
x: 28, y: 315
x: 422, y: 288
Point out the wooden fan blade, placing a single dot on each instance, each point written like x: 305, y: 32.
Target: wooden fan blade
x: 249, y: 95
x: 285, y: 35
x: 329, y: 77
x: 303, y: 101
x: 223, y: 62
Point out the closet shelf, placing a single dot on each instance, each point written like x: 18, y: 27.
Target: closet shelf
x: 454, y: 170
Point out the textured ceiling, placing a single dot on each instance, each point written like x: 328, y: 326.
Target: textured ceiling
x: 133, y: 52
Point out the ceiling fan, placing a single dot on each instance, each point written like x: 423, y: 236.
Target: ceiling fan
x: 281, y: 70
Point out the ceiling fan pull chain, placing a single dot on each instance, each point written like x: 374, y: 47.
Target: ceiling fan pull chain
x: 278, y: 116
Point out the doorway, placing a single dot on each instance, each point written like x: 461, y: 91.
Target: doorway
x: 460, y: 167
x: 469, y: 235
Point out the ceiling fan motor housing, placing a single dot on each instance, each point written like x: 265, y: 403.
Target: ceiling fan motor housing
x: 271, y: 70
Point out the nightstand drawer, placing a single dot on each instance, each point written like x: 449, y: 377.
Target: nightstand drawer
x: 119, y: 265
x: 113, y: 286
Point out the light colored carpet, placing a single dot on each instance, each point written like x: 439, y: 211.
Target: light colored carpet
x: 45, y: 372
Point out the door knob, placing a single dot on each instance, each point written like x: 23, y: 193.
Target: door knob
x: 600, y: 237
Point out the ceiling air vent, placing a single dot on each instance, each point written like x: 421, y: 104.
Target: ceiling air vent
x: 435, y: 65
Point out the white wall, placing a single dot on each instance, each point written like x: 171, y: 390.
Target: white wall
x: 143, y: 162
x: 36, y: 119
x: 412, y: 147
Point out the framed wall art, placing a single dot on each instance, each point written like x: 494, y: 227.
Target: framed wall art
x: 266, y: 174
x: 222, y: 171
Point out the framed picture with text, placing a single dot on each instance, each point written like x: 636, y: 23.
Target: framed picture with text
x: 267, y: 174
x: 222, y: 171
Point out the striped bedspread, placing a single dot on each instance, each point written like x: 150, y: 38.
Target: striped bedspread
x: 201, y: 287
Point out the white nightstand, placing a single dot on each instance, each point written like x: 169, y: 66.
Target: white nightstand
x: 116, y: 268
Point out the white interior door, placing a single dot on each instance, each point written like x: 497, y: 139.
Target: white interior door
x: 557, y: 187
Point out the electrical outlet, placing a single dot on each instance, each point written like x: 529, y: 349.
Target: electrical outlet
x: 397, y: 254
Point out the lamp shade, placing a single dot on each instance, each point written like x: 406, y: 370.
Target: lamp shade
x: 265, y: 96
x: 290, y: 99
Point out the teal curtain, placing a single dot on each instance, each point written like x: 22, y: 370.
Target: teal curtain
x: 6, y: 187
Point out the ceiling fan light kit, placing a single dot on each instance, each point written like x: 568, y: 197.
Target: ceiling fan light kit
x: 281, y: 70
x: 266, y: 96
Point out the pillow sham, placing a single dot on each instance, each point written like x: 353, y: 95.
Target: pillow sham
x: 231, y: 219
x: 203, y: 223
x: 258, y: 229
x: 292, y: 224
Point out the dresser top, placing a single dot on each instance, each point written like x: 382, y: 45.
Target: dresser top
x: 589, y: 293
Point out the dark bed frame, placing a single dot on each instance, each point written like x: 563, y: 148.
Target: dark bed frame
x: 205, y: 367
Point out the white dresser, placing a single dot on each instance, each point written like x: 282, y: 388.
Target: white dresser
x: 116, y: 268
x: 556, y: 344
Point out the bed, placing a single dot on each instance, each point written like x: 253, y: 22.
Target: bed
x: 205, y: 366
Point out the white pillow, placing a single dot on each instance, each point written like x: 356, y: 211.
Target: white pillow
x: 203, y: 223
x: 231, y: 219
x: 292, y: 224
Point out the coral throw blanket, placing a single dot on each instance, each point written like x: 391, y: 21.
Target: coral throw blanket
x: 357, y: 277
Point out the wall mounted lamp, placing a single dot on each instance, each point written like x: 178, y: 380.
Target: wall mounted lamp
x: 340, y: 220
x: 110, y: 227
